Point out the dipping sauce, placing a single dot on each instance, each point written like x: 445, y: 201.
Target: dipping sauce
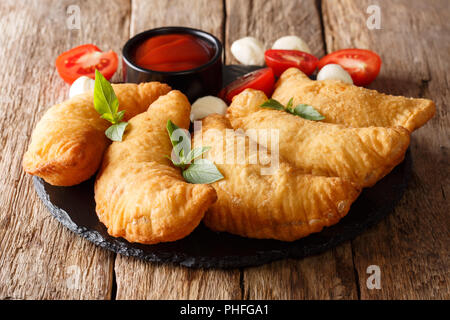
x: 173, y: 52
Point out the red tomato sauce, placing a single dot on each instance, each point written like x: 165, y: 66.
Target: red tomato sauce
x: 173, y: 52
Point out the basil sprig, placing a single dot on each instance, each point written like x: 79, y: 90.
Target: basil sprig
x: 198, y: 171
x: 302, y: 110
x: 107, y: 105
x: 202, y: 171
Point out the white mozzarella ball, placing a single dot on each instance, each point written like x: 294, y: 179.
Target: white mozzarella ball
x: 334, y: 72
x: 248, y: 50
x: 291, y: 43
x: 81, y: 85
x: 205, y: 106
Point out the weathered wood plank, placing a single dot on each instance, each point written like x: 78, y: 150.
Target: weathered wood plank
x: 270, y: 20
x: 411, y: 246
x: 40, y: 259
x: 206, y: 15
x: 142, y: 280
x: 326, y: 276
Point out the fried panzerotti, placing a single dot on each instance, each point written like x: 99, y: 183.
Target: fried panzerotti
x: 361, y: 155
x: 347, y: 104
x: 139, y: 194
x: 284, y: 205
x: 68, y: 143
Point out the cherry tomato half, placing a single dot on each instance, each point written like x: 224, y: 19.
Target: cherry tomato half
x: 280, y: 60
x: 262, y: 79
x: 363, y: 65
x: 83, y: 60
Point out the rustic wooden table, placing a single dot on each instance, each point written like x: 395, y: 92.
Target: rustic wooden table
x: 40, y: 259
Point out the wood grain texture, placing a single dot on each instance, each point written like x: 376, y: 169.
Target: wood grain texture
x: 40, y: 259
x: 326, y: 276
x: 270, y: 20
x: 206, y: 15
x: 142, y: 280
x: 412, y: 245
x: 330, y: 275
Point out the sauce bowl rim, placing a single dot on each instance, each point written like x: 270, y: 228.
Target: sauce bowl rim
x: 132, y: 42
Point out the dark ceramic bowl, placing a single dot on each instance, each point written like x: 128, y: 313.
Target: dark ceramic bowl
x: 194, y: 83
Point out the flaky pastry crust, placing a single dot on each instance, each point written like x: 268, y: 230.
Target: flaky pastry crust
x: 361, y: 155
x: 347, y: 104
x: 68, y: 143
x: 139, y: 194
x: 285, y: 205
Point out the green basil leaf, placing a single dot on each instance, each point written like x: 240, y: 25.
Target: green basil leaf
x: 272, y: 104
x: 119, y: 116
x: 176, y: 136
x: 171, y: 127
x: 180, y: 139
x: 115, y: 132
x: 308, y: 112
x: 302, y: 110
x: 105, y: 100
x: 202, y: 171
x: 176, y: 162
x: 195, y: 153
x: 291, y: 111
x: 290, y: 103
x: 109, y: 117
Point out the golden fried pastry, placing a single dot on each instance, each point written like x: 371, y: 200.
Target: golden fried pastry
x: 361, y: 155
x: 68, y: 143
x: 139, y: 194
x: 285, y: 204
x: 347, y: 104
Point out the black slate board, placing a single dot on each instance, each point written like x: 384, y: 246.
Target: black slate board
x: 74, y: 207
